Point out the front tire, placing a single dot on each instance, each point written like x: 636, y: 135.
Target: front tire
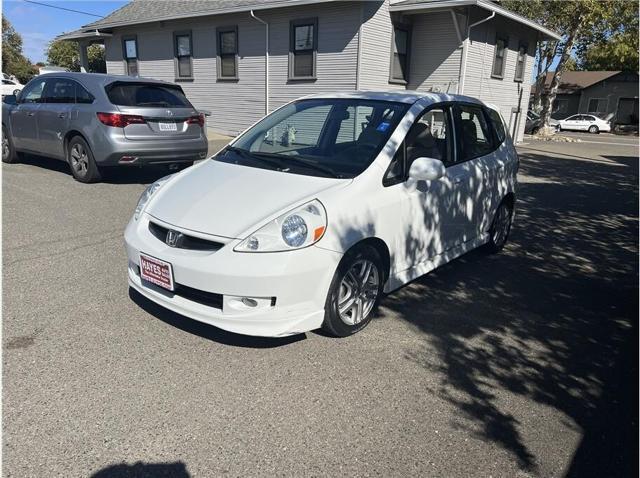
x: 16, y: 92
x: 354, y: 293
x: 593, y: 129
x: 9, y: 154
x: 500, y: 227
x: 80, y: 158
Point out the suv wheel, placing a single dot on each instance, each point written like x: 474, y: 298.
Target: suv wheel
x: 9, y: 154
x: 80, y: 158
x: 354, y: 293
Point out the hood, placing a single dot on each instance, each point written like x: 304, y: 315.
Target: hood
x: 230, y: 200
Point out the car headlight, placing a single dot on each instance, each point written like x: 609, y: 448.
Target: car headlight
x: 146, y: 195
x: 298, y: 228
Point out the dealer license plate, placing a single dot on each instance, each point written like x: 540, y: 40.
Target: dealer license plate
x: 156, y: 271
x: 168, y: 126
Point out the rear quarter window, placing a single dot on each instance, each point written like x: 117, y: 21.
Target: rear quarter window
x: 498, y: 125
x: 147, y: 95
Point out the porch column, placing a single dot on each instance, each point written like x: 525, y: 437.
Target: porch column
x: 84, y: 57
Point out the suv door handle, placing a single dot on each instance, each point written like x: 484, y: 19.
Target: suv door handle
x: 30, y: 113
x: 61, y: 115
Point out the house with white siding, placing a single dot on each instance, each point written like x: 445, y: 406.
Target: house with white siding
x: 240, y: 59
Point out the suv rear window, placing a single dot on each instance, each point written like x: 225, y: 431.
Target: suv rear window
x: 147, y: 95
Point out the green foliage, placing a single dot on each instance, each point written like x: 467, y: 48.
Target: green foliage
x: 13, y: 61
x: 67, y: 55
x: 620, y: 52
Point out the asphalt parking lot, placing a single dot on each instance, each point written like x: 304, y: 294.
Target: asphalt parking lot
x: 519, y: 364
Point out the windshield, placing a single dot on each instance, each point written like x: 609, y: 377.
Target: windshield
x: 320, y: 137
x: 147, y: 95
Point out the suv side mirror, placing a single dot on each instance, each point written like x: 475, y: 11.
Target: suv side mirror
x: 426, y: 169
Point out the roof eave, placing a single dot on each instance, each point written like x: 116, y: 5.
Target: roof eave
x: 83, y: 35
x: 399, y: 7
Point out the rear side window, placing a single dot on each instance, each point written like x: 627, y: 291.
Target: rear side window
x: 475, y: 137
x: 147, y: 95
x: 498, y: 125
x: 59, y: 90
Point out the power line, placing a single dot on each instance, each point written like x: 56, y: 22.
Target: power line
x: 62, y: 8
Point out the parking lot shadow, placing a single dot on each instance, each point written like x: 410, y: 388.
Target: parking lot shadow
x: 209, y: 332
x: 552, y: 318
x: 144, y: 470
x: 112, y: 175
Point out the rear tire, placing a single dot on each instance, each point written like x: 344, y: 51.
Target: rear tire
x: 354, y: 292
x: 535, y: 131
x: 593, y: 129
x: 500, y: 227
x: 9, y: 154
x: 80, y: 159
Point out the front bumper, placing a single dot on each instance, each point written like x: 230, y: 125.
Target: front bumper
x: 290, y: 287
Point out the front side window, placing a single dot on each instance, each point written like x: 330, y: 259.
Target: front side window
x: 473, y: 132
x: 130, y: 50
x: 400, y: 54
x: 183, y: 55
x: 319, y: 137
x: 228, y: 53
x: 303, y: 49
x: 521, y: 62
x: 429, y: 137
x: 500, y: 58
x: 33, y: 92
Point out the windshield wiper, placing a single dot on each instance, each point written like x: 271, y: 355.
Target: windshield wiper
x: 164, y: 104
x: 282, y: 159
x: 253, y: 156
x: 318, y: 167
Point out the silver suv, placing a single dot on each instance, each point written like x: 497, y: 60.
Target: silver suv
x: 94, y: 121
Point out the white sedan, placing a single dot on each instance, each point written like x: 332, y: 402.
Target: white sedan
x: 589, y: 123
x: 10, y: 87
x: 310, y: 215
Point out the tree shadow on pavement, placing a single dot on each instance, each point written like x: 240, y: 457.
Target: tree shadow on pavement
x: 144, y: 470
x: 207, y: 331
x: 552, y: 318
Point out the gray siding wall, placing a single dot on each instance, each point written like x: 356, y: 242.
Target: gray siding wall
x: 376, y: 47
x: 435, y: 53
x: 611, y: 91
x: 235, y: 105
x: 503, y: 93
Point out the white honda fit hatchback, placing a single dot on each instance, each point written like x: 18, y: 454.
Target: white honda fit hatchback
x: 310, y: 215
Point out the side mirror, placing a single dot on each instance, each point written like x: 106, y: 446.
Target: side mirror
x: 426, y: 169
x: 10, y: 99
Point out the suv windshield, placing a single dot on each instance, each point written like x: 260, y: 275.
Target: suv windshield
x: 320, y: 137
x: 147, y: 95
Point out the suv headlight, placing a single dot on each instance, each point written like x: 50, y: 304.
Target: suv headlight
x: 298, y: 228
x: 146, y: 195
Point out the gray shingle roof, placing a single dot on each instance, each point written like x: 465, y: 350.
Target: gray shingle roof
x: 142, y: 11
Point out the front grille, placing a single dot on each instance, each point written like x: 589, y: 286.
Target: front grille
x: 210, y: 299
x: 184, y: 241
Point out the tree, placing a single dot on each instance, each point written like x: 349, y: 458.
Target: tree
x: 67, y: 55
x: 13, y: 61
x: 581, y: 25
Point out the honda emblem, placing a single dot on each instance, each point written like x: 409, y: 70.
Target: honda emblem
x: 172, y: 238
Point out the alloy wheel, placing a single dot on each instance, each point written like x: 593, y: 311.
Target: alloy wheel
x: 6, y: 151
x: 358, y: 292
x: 501, y: 225
x: 79, y: 159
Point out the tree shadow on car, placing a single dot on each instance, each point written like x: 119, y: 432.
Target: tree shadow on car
x: 207, y: 331
x: 110, y: 175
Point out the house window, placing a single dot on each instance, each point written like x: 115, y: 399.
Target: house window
x: 560, y: 106
x: 228, y: 53
x: 303, y: 49
x: 130, y: 53
x: 400, y: 54
x: 499, y: 58
x: 183, y: 54
x: 521, y: 62
x: 597, y: 105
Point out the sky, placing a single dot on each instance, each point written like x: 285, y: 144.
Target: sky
x: 38, y: 25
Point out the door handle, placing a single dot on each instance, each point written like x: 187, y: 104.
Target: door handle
x: 61, y: 115
x: 30, y: 113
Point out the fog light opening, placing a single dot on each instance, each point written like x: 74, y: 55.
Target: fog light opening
x: 128, y: 159
x: 249, y: 302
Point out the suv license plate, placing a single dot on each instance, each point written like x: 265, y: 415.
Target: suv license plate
x: 168, y: 126
x: 156, y: 271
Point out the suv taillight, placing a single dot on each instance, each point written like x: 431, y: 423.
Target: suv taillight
x: 196, y: 119
x: 118, y: 120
